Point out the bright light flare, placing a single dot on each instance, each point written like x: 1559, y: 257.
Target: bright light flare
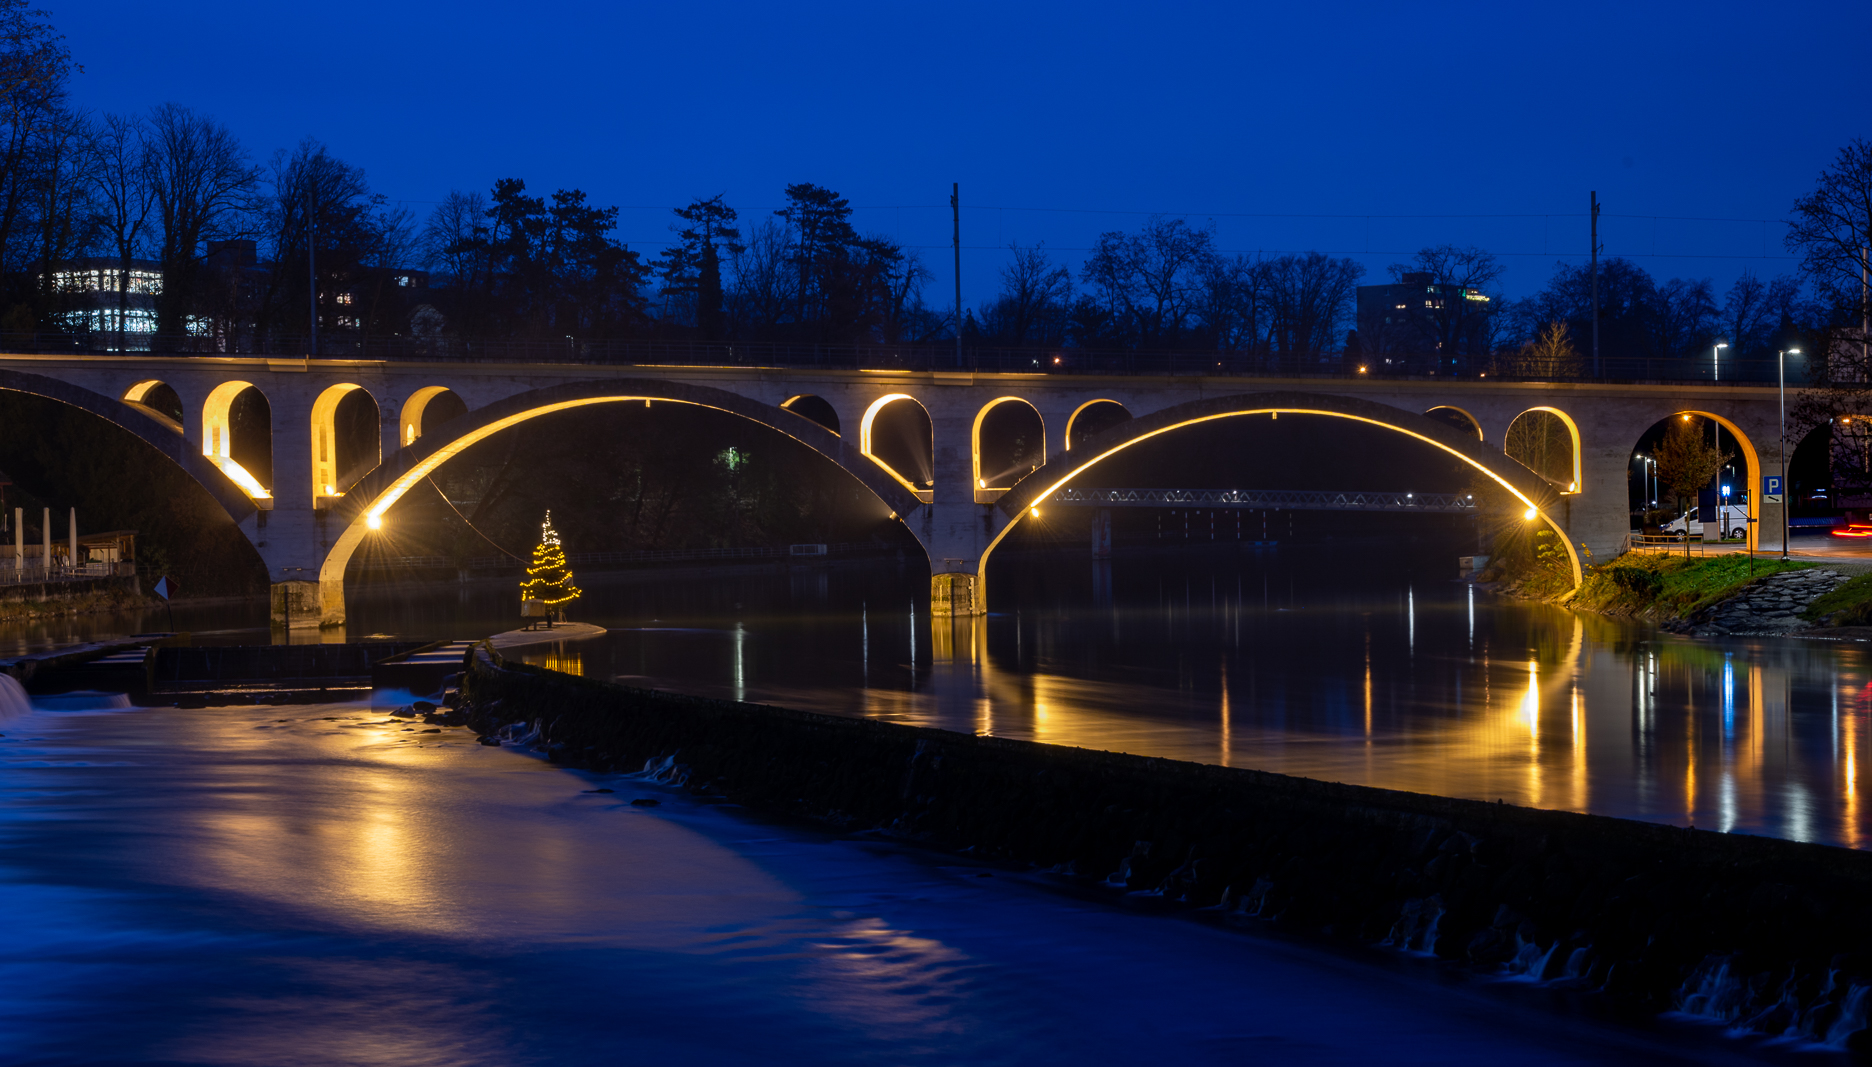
x: 1531, y: 514
x: 239, y: 476
x: 374, y: 521
x: 1036, y: 512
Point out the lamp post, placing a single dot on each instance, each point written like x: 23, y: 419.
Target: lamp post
x: 1781, y: 365
x: 1716, y: 373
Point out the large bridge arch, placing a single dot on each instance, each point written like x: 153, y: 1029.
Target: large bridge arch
x: 1753, y: 465
x: 158, y: 434
x: 361, y: 510
x: 1543, y: 502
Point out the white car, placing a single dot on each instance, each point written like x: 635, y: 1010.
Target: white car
x: 1734, y: 522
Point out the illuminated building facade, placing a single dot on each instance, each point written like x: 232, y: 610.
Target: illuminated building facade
x: 103, y: 298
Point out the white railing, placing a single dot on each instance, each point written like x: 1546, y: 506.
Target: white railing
x: 1663, y: 543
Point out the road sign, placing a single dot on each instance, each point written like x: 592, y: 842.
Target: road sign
x: 1771, y: 489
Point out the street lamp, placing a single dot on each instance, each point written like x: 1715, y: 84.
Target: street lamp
x: 1716, y: 372
x: 1646, y: 471
x: 1781, y: 363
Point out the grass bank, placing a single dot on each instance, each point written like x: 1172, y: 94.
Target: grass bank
x: 1669, y: 587
x: 1849, y: 605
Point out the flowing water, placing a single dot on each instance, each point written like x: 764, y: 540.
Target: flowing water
x: 326, y: 885
x: 322, y: 885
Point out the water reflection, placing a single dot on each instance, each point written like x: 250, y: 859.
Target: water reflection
x: 1401, y: 680
x: 1361, y: 663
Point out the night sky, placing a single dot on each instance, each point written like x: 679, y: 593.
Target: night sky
x: 1367, y: 130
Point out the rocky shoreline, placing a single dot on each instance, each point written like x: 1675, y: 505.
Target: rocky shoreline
x: 1769, y: 606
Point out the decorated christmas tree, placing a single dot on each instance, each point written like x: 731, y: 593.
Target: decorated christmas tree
x: 549, y: 580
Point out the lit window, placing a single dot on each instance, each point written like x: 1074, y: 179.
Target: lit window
x: 344, y: 298
x: 402, y: 279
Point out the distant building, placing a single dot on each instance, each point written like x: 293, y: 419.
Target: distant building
x: 101, y: 297
x: 1406, y: 327
x: 398, y: 290
x: 115, y: 308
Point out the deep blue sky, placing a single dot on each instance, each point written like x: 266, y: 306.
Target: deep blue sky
x: 1060, y: 119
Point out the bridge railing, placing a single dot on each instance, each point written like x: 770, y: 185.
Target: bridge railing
x: 1266, y: 499
x: 910, y: 357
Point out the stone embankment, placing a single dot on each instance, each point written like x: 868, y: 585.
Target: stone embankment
x: 1762, y: 933
x: 1771, y: 605
x: 46, y: 600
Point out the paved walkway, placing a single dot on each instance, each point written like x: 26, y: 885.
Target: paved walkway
x: 565, y: 631
x: 1848, y: 555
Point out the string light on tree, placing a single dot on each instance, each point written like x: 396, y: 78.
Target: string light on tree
x: 549, y: 580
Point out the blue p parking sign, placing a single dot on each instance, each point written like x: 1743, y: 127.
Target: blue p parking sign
x: 1771, y: 489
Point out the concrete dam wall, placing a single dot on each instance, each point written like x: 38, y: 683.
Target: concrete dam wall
x: 1764, y: 933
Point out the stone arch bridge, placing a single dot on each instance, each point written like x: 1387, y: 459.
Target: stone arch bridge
x: 959, y: 503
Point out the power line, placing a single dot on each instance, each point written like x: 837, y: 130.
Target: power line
x: 1340, y: 252
x: 1239, y: 214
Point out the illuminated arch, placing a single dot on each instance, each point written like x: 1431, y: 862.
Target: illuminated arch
x: 133, y: 418
x: 1530, y: 489
x: 409, y: 420
x: 138, y: 397
x: 864, y: 440
x: 1474, y: 424
x: 361, y: 509
x: 218, y: 441
x: 981, y: 478
x: 1751, y: 460
x: 1073, y: 419
x: 816, y: 408
x: 1574, y: 483
x: 326, y: 475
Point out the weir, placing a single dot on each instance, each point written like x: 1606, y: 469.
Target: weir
x: 1748, y: 930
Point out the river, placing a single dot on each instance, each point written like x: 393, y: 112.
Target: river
x: 323, y: 885
x: 1355, y: 661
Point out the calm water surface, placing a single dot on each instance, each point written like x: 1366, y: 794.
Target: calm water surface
x: 1359, y: 662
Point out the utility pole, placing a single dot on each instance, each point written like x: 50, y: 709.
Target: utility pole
x: 955, y: 210
x: 312, y: 254
x: 1595, y: 283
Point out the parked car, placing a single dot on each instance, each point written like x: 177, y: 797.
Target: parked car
x: 1733, y: 521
